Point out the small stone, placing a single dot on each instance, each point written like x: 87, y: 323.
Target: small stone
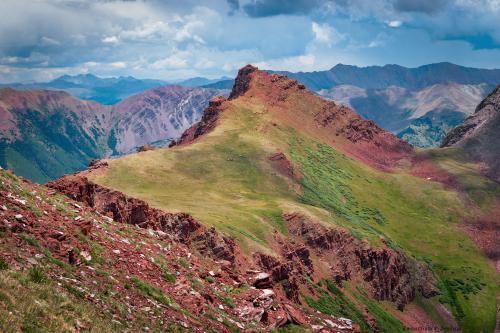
x: 78, y: 218
x: 85, y: 255
x: 221, y: 306
x: 116, y: 251
x: 18, y: 217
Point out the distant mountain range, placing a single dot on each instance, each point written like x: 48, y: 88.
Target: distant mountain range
x: 106, y: 91
x: 45, y: 134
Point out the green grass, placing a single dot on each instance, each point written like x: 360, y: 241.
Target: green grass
x: 41, y: 307
x: 227, y: 181
x: 152, y: 291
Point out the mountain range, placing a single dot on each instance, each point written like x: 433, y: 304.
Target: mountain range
x: 106, y: 91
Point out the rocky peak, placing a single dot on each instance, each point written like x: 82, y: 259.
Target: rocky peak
x: 242, y: 81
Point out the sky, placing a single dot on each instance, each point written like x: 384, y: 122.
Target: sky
x: 169, y: 40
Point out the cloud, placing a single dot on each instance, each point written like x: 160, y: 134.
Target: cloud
x: 422, y: 6
x: 234, y: 5
x: 174, y: 39
x: 263, y: 8
x: 110, y: 40
x: 394, y: 23
x: 118, y: 64
x: 326, y: 34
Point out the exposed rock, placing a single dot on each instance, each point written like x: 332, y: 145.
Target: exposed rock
x: 144, y: 148
x: 178, y: 226
x: 205, y: 125
x: 479, y: 135
x: 390, y: 274
x: 242, y: 81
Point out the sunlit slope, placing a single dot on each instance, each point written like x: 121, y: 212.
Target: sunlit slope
x: 228, y: 178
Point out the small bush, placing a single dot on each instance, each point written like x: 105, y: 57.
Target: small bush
x: 3, y: 264
x: 151, y: 291
x: 36, y: 275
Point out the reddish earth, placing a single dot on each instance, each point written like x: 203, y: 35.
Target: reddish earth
x: 423, y: 167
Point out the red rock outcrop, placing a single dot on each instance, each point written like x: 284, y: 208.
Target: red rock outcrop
x: 390, y: 275
x: 242, y: 81
x: 205, y: 125
x: 124, y: 209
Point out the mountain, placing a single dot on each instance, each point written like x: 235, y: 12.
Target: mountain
x: 380, y: 77
x: 45, y: 134
x: 223, y: 84
x: 90, y: 87
x: 478, y: 136
x: 421, y: 117
x: 202, y: 81
x: 321, y: 211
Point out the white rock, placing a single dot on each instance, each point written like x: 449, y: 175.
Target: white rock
x: 116, y: 251
x: 18, y: 217
x: 85, y: 255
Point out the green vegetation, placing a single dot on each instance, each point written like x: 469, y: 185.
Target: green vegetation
x: 36, y: 307
x: 151, y: 291
x: 334, y: 302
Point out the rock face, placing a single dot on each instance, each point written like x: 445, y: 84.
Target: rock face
x: 242, y: 81
x: 46, y: 134
x: 479, y: 135
x: 121, y: 208
x: 389, y: 273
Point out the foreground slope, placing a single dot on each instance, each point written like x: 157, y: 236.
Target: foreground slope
x: 274, y: 151
x: 45, y: 134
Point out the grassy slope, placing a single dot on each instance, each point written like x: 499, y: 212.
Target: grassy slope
x: 225, y: 180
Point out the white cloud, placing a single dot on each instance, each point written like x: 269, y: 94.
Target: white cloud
x: 110, y: 40
x: 394, y: 23
x: 118, y: 64
x: 324, y: 33
x: 179, y: 59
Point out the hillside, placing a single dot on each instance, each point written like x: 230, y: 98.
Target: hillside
x: 45, y: 134
x: 346, y: 218
x: 421, y: 117
x: 479, y: 134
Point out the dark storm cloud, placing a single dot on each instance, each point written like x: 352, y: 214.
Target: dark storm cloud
x: 234, y: 5
x: 421, y: 6
x: 263, y: 8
